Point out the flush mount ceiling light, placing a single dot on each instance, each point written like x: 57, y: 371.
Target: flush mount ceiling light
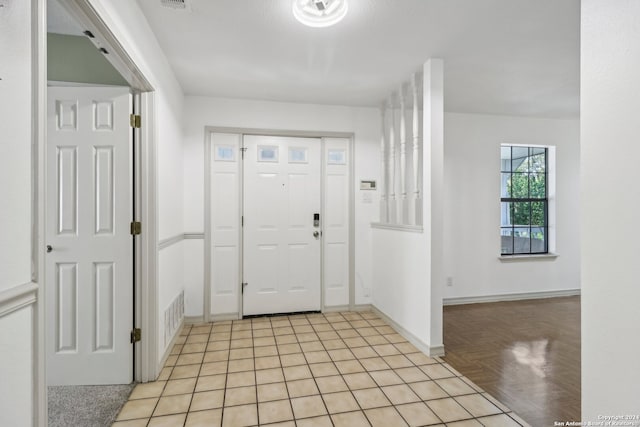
x: 319, y: 13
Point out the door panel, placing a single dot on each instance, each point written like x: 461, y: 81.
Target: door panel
x: 89, y: 209
x: 336, y: 224
x: 224, y: 261
x: 281, y: 259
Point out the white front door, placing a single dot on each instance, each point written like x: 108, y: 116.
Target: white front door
x: 281, y: 245
x: 90, y: 253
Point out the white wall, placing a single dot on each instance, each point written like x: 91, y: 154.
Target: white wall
x: 610, y: 107
x: 472, y: 206
x: 16, y: 354
x: 15, y: 149
x: 17, y: 364
x: 127, y: 23
x: 401, y: 284
x: 17, y: 328
x: 193, y: 277
x: 203, y: 111
x: 407, y: 264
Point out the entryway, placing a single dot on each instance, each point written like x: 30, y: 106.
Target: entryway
x: 279, y: 221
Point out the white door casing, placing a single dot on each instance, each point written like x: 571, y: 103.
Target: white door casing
x: 88, y: 209
x: 281, y: 255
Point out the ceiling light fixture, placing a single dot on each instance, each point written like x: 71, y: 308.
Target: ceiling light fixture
x: 320, y: 13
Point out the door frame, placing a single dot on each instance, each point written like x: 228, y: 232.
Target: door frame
x: 208, y: 130
x: 146, y: 367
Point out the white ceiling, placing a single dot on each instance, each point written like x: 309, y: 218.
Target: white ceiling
x: 517, y: 57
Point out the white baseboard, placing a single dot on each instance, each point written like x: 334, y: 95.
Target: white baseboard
x: 362, y: 307
x: 167, y: 351
x: 511, y: 297
x: 224, y: 316
x: 431, y: 351
x: 335, y: 308
x: 193, y: 320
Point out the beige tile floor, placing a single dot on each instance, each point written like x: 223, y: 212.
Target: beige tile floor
x: 336, y: 369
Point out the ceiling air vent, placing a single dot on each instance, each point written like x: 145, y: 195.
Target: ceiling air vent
x: 176, y: 4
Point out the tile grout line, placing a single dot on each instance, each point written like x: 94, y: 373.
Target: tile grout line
x: 255, y: 373
x: 380, y: 387
x: 226, y: 376
x: 342, y: 375
x: 199, y: 370
x: 313, y: 376
x: 293, y: 414
x: 295, y: 334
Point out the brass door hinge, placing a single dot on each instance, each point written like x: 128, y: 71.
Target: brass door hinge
x: 136, y: 335
x: 136, y: 228
x: 135, y: 120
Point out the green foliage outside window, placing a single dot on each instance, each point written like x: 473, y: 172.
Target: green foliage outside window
x: 528, y: 182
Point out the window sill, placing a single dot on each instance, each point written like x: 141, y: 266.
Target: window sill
x: 533, y: 257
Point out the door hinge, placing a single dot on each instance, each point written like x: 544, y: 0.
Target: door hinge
x: 243, y: 150
x: 242, y: 221
x: 243, y: 286
x: 136, y: 335
x: 136, y: 228
x: 135, y: 120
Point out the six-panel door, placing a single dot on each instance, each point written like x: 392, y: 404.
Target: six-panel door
x: 89, y: 209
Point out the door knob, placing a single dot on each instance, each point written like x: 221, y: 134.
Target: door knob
x: 49, y: 248
x: 316, y: 234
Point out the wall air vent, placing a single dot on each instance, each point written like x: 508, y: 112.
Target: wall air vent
x: 176, y: 4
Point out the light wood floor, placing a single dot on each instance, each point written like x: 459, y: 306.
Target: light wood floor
x: 524, y: 353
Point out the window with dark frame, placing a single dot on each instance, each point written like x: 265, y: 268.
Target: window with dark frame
x: 523, y: 198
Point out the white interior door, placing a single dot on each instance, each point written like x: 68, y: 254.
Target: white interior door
x: 281, y: 246
x: 89, y: 210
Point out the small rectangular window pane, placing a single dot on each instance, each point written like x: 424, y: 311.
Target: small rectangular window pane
x: 521, y: 213
x: 224, y: 153
x: 538, y: 213
x: 538, y: 240
x: 505, y: 185
x: 336, y: 157
x: 267, y: 153
x: 521, y: 240
x: 506, y: 241
x: 505, y: 159
x: 538, y: 163
x: 297, y: 155
x: 537, y: 186
x: 505, y: 213
x: 519, y: 186
x: 520, y: 159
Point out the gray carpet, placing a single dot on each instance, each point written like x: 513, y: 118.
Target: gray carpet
x: 86, y: 406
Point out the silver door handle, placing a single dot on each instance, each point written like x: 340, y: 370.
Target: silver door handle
x: 316, y: 234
